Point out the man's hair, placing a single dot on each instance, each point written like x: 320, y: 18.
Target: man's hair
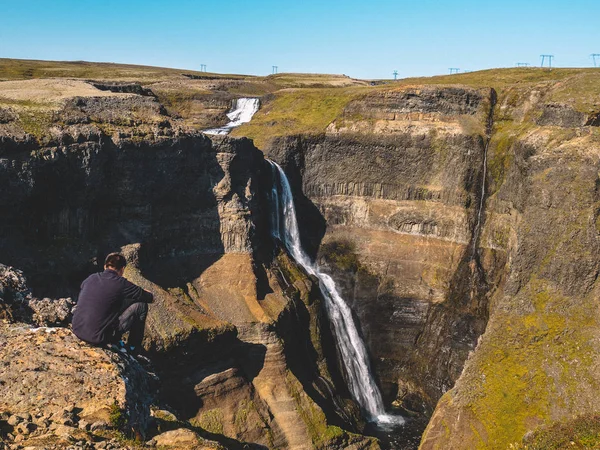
x: 115, y: 261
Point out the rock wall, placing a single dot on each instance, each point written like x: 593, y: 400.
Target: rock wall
x: 537, y: 362
x: 398, y: 180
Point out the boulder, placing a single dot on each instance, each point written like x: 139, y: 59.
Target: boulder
x: 50, y: 312
x: 182, y: 438
x: 49, y: 369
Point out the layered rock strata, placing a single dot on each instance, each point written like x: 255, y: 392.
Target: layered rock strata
x: 398, y: 179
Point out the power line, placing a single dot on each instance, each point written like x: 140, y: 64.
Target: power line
x: 594, y: 56
x: 202, y: 67
x: 549, y: 60
x: 395, y: 74
x: 275, y: 69
x: 454, y: 70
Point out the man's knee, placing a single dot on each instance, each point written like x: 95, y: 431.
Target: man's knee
x: 136, y: 311
x: 140, y: 309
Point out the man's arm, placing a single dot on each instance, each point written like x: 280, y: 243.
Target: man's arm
x: 136, y: 293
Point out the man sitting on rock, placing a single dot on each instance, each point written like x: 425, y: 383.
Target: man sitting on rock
x: 109, y: 305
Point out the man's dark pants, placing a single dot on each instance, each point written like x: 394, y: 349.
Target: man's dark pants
x: 132, y: 319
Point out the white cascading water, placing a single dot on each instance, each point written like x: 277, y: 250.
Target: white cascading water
x: 348, y: 341
x: 241, y: 113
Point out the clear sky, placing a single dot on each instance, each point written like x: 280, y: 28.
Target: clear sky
x: 363, y: 39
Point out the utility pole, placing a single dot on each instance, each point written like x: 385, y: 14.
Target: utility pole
x: 549, y: 60
x: 594, y: 56
x: 202, y: 67
x: 522, y: 64
x: 396, y: 74
x: 453, y: 70
x: 275, y: 68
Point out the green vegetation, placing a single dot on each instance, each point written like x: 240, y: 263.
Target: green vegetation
x: 117, y: 417
x: 341, y: 253
x: 498, y: 78
x: 580, y: 433
x: 320, y: 433
x: 297, y: 111
x: 543, y: 359
x: 211, y: 421
x: 22, y: 69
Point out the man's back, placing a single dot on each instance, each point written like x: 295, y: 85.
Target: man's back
x: 101, y: 300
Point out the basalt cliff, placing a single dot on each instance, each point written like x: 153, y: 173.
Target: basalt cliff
x: 458, y: 216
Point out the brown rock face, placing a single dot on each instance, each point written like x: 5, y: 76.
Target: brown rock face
x: 401, y: 203
x: 537, y: 363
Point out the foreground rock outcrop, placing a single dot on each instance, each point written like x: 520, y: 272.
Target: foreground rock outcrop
x: 54, y: 388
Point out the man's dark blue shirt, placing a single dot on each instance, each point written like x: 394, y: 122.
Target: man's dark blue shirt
x: 102, y: 299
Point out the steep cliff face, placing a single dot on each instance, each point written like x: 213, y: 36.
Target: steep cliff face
x: 537, y: 363
x: 430, y: 258
x: 398, y: 180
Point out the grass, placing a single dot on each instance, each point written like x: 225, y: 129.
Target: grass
x: 117, y: 417
x: 500, y: 78
x: 297, y: 111
x: 211, y: 421
x: 22, y: 69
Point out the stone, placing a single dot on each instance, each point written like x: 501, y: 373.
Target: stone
x: 14, y: 420
x: 163, y: 414
x: 89, y: 377
x: 49, y: 312
x: 83, y: 424
x: 25, y: 427
x: 64, y: 432
x: 99, y: 425
x: 179, y: 438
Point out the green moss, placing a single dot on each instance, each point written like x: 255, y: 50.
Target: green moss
x: 321, y: 433
x: 341, y: 253
x: 501, y: 152
x: 211, y: 421
x: 117, y: 416
x: 290, y: 270
x: 539, y: 364
x: 241, y: 415
x: 582, y: 432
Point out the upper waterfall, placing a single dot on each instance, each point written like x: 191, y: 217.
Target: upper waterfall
x: 349, y: 343
x: 241, y: 113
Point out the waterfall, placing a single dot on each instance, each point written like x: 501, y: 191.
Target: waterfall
x: 241, y: 113
x: 488, y: 132
x: 350, y: 346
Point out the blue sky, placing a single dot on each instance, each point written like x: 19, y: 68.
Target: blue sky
x: 359, y: 38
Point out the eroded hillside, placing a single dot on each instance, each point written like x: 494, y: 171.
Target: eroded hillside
x: 457, y: 214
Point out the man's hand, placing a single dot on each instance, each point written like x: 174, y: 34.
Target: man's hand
x: 151, y: 296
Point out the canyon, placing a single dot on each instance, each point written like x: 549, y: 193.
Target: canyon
x: 457, y: 216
